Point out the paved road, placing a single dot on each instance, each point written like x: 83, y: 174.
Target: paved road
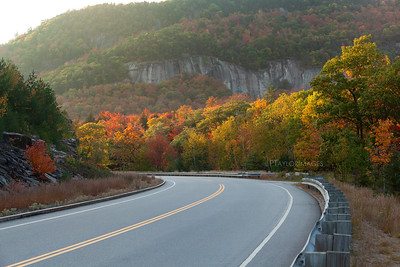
x: 190, y: 221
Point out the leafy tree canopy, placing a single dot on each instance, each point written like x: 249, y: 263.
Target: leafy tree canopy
x: 29, y: 106
x: 346, y: 84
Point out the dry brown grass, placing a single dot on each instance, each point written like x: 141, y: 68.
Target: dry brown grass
x: 380, y: 210
x: 20, y: 198
x: 282, y: 176
x: 376, y: 226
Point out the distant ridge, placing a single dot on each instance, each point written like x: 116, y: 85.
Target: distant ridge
x: 92, y: 46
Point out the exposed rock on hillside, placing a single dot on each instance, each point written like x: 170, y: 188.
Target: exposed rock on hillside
x: 236, y: 78
x: 15, y: 169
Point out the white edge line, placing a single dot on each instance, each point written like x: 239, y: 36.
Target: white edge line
x: 312, y: 230
x: 91, y: 209
x: 265, y: 241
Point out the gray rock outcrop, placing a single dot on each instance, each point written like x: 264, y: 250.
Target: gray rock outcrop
x: 236, y: 78
x: 17, y: 140
x: 15, y: 169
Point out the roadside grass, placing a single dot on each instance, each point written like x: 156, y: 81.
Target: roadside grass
x: 376, y: 226
x: 380, y: 210
x: 19, y: 199
x: 283, y: 176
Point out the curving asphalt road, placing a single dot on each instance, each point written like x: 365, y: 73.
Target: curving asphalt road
x: 190, y: 221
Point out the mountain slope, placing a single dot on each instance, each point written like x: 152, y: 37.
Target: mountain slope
x: 93, y: 46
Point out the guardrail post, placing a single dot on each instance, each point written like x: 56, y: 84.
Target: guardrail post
x: 335, y: 259
x: 329, y: 227
x: 343, y: 227
x: 314, y: 259
x: 330, y: 246
x: 323, y: 243
x: 341, y: 243
x: 344, y: 217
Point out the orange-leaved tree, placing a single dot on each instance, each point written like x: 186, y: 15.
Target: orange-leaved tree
x: 39, y: 159
x: 382, y: 148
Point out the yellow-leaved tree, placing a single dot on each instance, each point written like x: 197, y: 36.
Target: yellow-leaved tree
x: 3, y: 106
x: 346, y: 83
x: 93, y: 144
x: 308, y: 146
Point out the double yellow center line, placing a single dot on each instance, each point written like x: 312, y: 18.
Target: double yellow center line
x: 115, y: 233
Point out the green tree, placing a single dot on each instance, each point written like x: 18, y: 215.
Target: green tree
x: 345, y: 83
x: 384, y: 102
x: 45, y: 116
x: 195, y: 150
x: 343, y: 152
x: 12, y: 88
x: 279, y: 127
x: 31, y: 105
x: 271, y: 94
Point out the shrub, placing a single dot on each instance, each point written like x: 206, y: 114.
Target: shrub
x: 39, y: 159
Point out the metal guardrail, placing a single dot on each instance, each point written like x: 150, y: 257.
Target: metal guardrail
x: 320, y: 187
x: 329, y: 242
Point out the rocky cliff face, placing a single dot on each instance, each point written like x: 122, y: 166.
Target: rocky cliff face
x: 236, y: 78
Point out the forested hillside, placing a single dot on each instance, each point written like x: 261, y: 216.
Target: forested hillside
x: 125, y: 98
x: 347, y: 123
x: 91, y: 47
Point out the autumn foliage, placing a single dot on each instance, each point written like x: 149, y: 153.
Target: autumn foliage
x: 39, y: 159
x: 383, y: 146
x: 127, y: 98
x: 334, y: 127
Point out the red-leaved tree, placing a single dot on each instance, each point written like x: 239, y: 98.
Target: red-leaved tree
x: 160, y: 154
x: 39, y: 159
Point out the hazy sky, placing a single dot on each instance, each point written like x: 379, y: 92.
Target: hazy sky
x: 17, y: 16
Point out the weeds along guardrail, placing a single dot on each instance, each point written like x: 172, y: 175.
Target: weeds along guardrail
x: 329, y: 242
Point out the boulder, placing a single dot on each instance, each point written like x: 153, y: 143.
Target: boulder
x: 17, y: 140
